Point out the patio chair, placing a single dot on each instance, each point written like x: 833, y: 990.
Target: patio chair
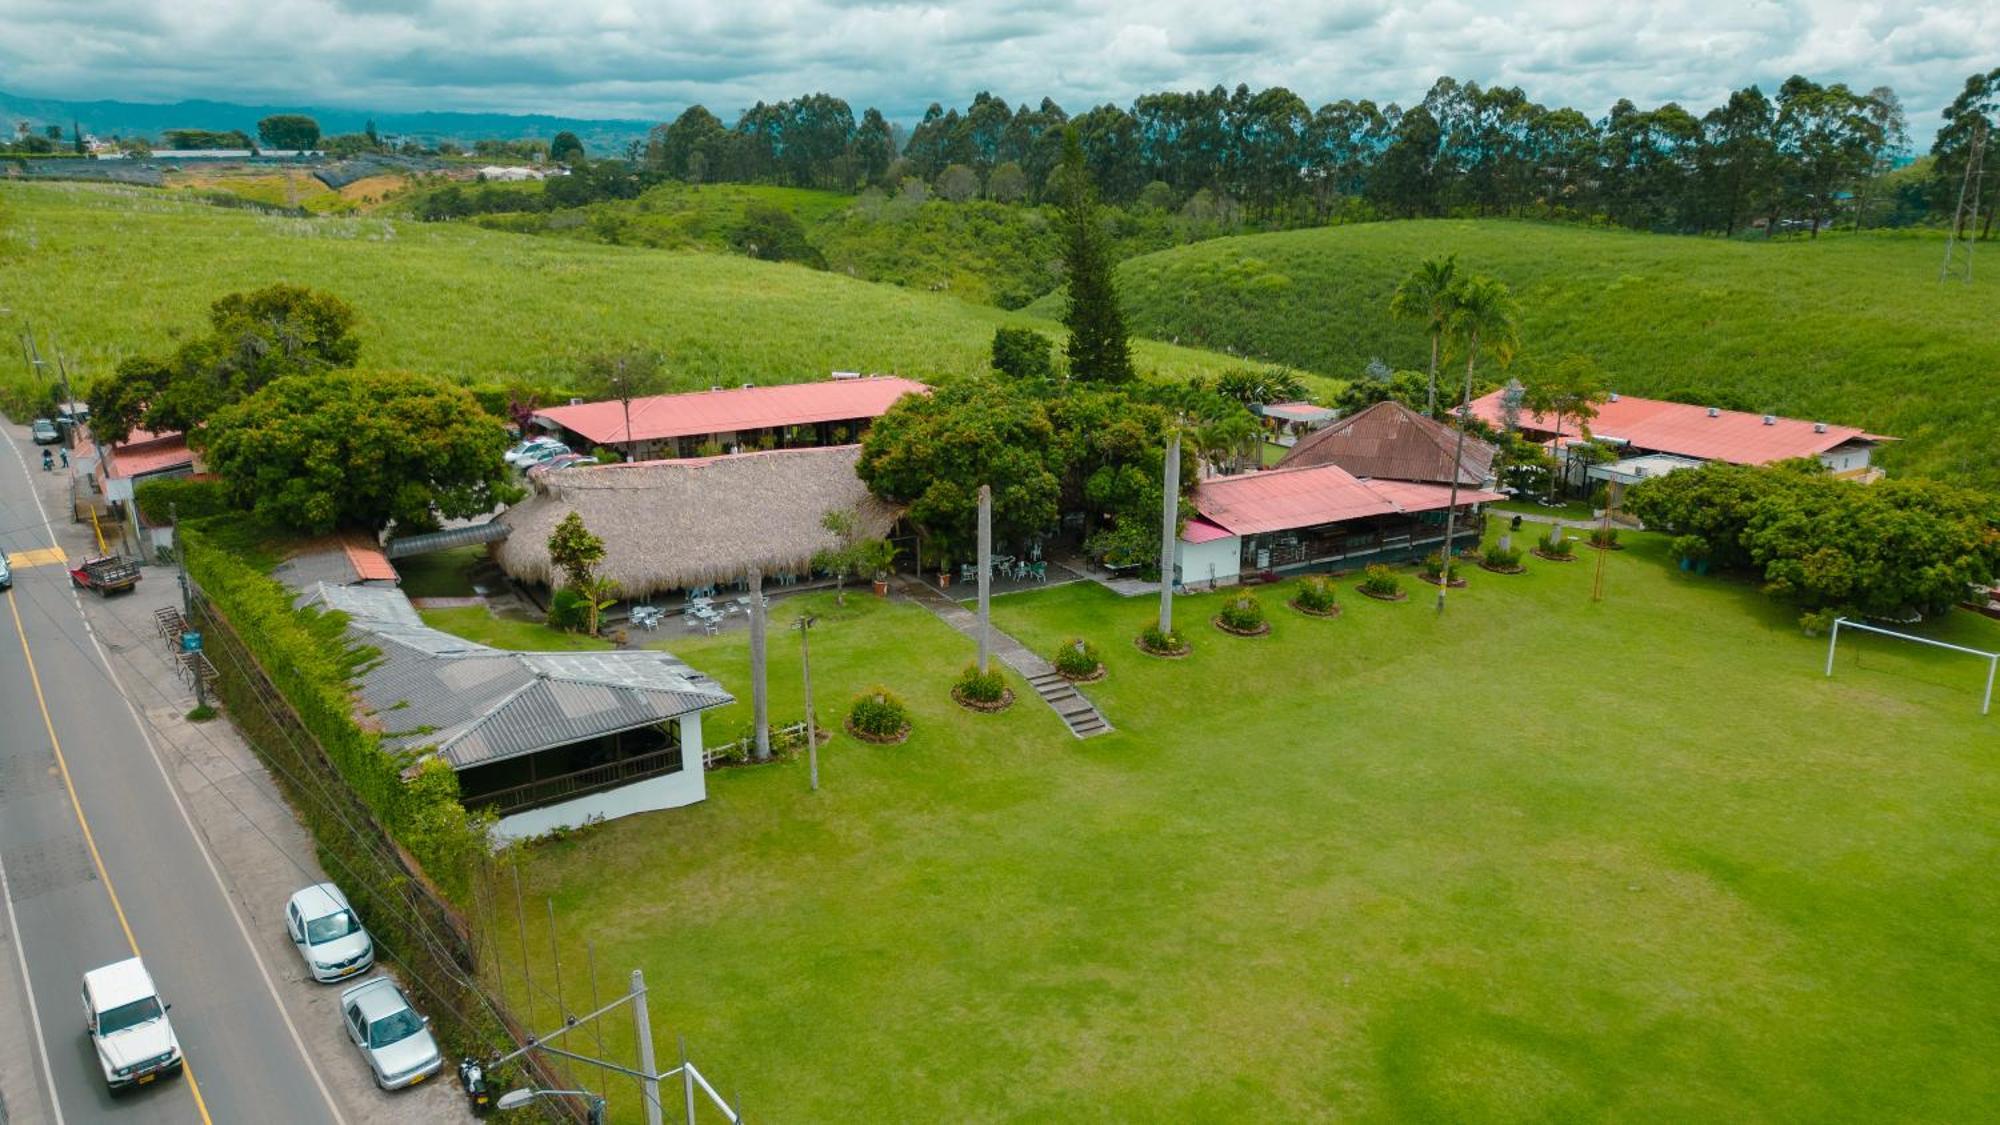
x: 968, y: 572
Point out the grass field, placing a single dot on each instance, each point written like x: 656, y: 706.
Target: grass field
x: 1540, y: 859
x: 1847, y: 328
x: 113, y: 271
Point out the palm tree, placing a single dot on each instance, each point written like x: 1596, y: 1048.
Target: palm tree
x: 1425, y: 295
x: 1482, y: 312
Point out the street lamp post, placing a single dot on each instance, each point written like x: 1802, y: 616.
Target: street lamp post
x: 515, y: 1099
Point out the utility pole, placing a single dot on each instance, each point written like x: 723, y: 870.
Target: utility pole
x: 804, y: 625
x: 1170, y: 522
x: 985, y: 572
x: 187, y: 599
x: 644, y: 1027
x: 1966, y: 217
x: 760, y: 702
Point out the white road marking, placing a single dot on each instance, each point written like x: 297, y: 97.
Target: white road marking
x: 28, y: 983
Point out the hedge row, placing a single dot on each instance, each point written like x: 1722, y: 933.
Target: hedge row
x: 305, y: 654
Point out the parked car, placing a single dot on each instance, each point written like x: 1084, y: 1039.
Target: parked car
x: 541, y: 454
x: 562, y: 461
x: 515, y: 455
x: 45, y: 432
x: 389, y: 1033
x: 127, y: 1024
x: 327, y: 935
x: 6, y: 574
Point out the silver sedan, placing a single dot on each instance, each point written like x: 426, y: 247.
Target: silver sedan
x: 389, y: 1033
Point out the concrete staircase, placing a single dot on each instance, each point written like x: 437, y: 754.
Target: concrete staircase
x: 1080, y: 715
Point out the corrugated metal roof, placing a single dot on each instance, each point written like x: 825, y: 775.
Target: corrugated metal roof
x: 1288, y: 499
x: 1199, y: 530
x: 492, y: 531
x: 733, y: 410
x: 1389, y: 441
x: 473, y: 704
x: 1676, y: 427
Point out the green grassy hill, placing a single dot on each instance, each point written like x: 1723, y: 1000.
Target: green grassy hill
x: 113, y: 271
x: 1853, y: 329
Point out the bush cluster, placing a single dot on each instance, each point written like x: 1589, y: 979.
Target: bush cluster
x: 1317, y: 595
x: 161, y: 501
x: 879, y: 713
x: 1380, y: 581
x: 975, y: 686
x: 1152, y: 639
x: 1242, y: 612
x: 1558, y: 545
x: 569, y: 610
x: 1077, y: 658
x: 1603, y: 536
x: 1503, y: 558
x: 1435, y: 568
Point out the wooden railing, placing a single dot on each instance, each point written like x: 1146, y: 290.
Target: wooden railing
x: 564, y: 787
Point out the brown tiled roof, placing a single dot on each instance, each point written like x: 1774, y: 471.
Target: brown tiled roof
x: 1389, y: 441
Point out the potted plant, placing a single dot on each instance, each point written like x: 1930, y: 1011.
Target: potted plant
x: 1693, y: 551
x: 876, y: 556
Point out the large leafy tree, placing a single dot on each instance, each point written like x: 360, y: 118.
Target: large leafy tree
x: 288, y: 131
x: 1098, y: 348
x: 1425, y: 296
x: 253, y: 338
x: 932, y: 452
x: 1976, y: 106
x: 358, y: 449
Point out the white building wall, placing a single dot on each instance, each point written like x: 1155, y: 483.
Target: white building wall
x: 669, y: 791
x: 1195, y: 561
x: 1845, y: 459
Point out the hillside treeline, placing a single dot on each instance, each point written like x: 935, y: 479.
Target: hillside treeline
x: 1800, y: 156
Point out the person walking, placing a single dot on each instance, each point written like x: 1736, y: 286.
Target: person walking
x: 65, y: 457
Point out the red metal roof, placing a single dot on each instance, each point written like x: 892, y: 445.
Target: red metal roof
x: 145, y: 453
x: 365, y: 555
x: 1676, y: 427
x: 1287, y: 499
x: 1199, y: 530
x: 733, y: 411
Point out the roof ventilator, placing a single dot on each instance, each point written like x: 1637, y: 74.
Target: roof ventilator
x: 1770, y: 419
x: 1714, y: 412
x: 1819, y: 427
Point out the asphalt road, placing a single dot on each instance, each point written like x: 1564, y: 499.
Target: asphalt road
x: 99, y: 858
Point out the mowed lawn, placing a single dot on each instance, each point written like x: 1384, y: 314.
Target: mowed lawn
x: 1536, y: 859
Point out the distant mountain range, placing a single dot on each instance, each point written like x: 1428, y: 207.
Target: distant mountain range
x: 127, y: 119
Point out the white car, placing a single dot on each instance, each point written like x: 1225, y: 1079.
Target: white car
x: 327, y: 935
x: 520, y: 453
x: 390, y: 1034
x: 542, y: 454
x: 128, y: 1025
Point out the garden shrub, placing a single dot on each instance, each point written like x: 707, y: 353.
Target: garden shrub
x: 1077, y: 658
x: 1558, y: 545
x: 1604, y: 537
x: 1693, y: 548
x: 1152, y: 639
x: 1243, y: 612
x: 879, y: 713
x: 975, y: 686
x: 1503, y: 558
x: 1317, y: 594
x: 1380, y: 581
x: 1434, y: 567
x: 569, y: 610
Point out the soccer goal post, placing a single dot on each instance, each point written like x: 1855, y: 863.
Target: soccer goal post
x: 1992, y: 658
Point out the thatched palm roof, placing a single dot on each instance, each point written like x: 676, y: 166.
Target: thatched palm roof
x: 674, y: 524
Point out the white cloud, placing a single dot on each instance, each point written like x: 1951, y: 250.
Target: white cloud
x: 651, y: 58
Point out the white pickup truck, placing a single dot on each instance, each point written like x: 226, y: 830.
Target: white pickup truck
x: 128, y: 1025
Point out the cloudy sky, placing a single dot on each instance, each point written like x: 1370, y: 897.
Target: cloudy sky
x: 651, y: 58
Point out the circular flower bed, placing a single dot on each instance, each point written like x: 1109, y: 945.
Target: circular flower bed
x: 1005, y: 701
x: 1310, y: 612
x: 1382, y: 584
x: 1398, y: 596
x: 1077, y: 661
x: 1260, y: 629
x: 1565, y: 557
x: 1152, y: 642
x: 880, y: 717
x: 1456, y: 582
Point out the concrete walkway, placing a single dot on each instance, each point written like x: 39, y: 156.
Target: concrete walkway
x: 1078, y: 713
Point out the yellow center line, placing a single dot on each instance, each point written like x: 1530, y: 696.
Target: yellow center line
x: 89, y: 839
